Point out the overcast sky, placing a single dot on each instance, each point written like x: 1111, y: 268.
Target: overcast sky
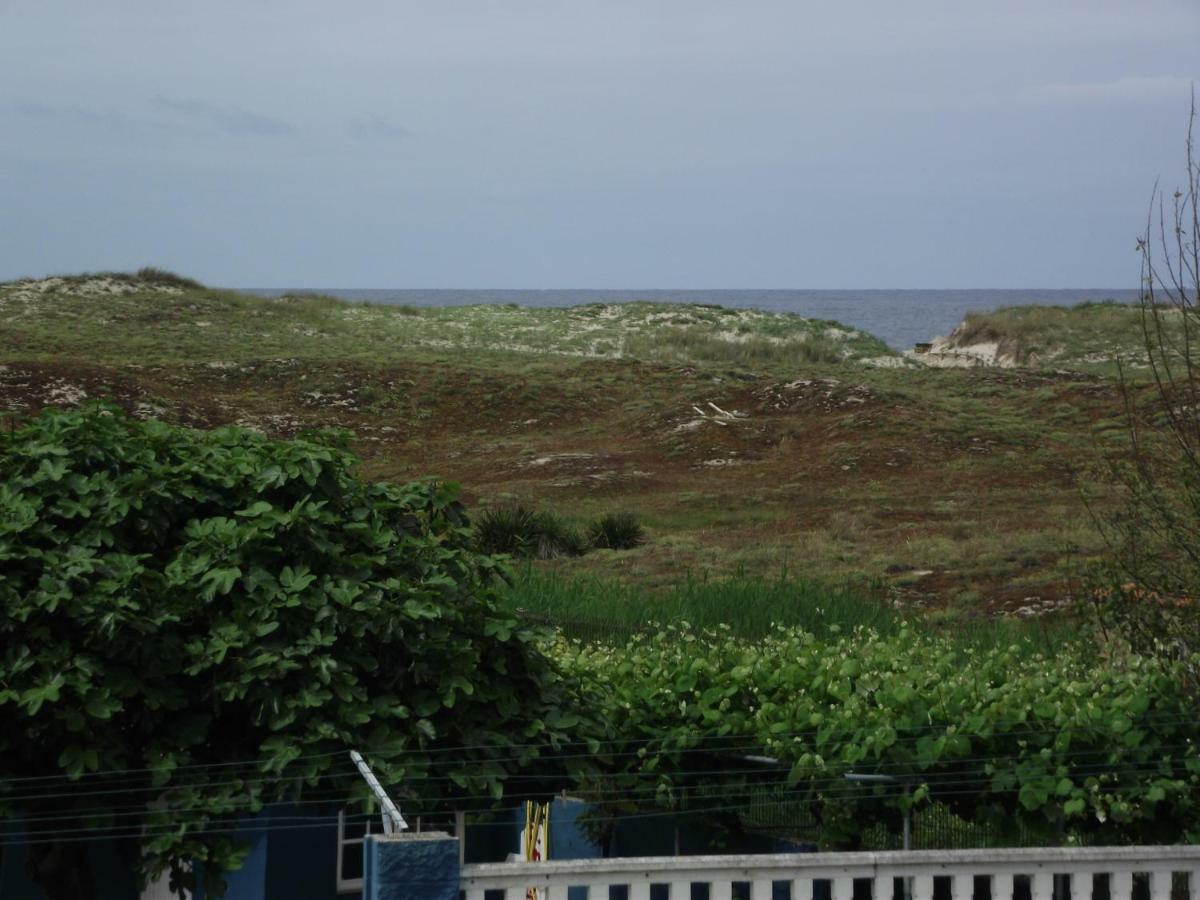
x: 570, y: 143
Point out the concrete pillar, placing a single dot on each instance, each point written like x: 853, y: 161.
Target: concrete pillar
x: 409, y: 866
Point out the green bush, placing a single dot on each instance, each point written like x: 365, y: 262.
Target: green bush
x: 616, y: 531
x: 1018, y: 740
x: 174, y: 601
x: 525, y: 533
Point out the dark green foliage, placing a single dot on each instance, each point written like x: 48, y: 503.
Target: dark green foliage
x: 173, y: 598
x: 559, y: 538
x: 1051, y: 746
x: 522, y: 532
x: 616, y: 531
x: 525, y: 533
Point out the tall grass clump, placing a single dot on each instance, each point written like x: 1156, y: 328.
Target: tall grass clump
x: 524, y: 533
x: 591, y: 607
x: 616, y: 531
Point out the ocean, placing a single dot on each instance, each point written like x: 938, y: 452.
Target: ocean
x: 899, y: 317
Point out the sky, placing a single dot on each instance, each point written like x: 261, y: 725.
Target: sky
x: 606, y: 144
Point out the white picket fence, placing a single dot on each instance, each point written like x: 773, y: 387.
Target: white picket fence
x: 1075, y: 870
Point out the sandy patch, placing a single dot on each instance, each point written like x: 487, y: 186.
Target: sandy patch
x: 944, y: 353
x: 886, y: 362
x: 551, y: 458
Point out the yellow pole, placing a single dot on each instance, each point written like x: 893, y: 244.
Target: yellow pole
x: 537, y: 825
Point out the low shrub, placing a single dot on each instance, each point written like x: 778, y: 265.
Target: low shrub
x: 616, y: 531
x: 525, y: 533
x: 558, y: 538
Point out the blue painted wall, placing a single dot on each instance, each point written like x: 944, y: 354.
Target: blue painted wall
x: 250, y: 881
x: 568, y: 838
x: 301, y: 863
x: 113, y: 865
x: 410, y: 869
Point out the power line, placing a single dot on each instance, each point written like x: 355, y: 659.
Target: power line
x: 426, y: 778
x: 616, y: 792
x: 758, y: 745
x: 90, y: 834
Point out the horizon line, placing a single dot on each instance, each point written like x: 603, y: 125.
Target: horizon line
x: 678, y: 289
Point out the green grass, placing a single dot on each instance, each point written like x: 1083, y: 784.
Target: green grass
x: 695, y: 344
x: 177, y: 327
x: 606, y: 609
x: 770, y: 344
x: 751, y: 606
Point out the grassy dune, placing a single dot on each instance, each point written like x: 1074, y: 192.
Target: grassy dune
x: 1089, y: 337
x: 166, y: 320
x: 747, y: 442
